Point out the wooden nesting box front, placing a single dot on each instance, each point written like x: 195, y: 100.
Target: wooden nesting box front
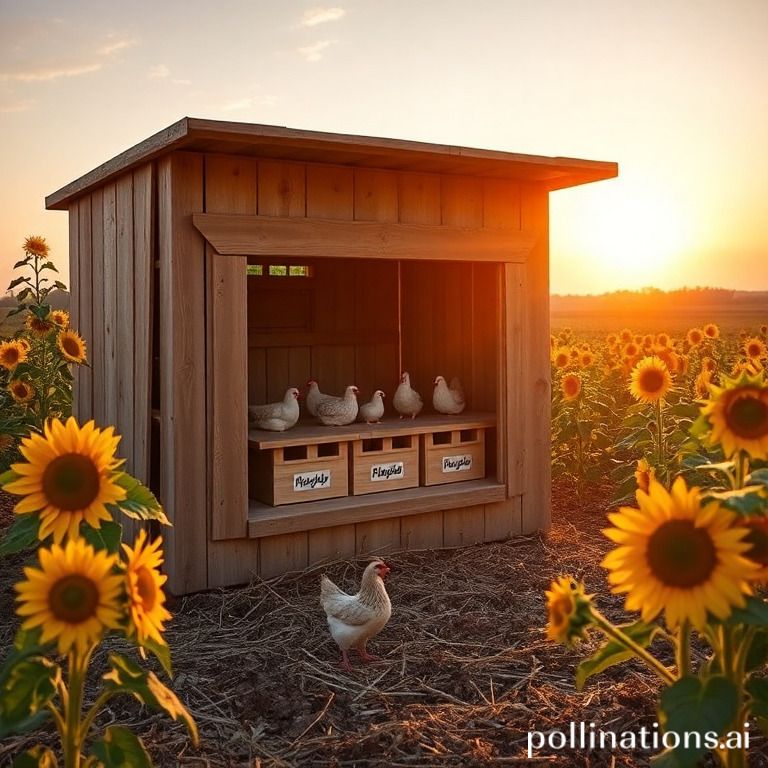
x: 384, y: 464
x: 299, y: 473
x: 216, y: 264
x: 453, y: 456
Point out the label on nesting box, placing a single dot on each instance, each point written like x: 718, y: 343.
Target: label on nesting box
x: 312, y: 481
x: 457, y: 463
x: 395, y: 470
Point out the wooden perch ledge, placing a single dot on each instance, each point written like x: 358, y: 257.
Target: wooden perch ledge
x: 318, y: 238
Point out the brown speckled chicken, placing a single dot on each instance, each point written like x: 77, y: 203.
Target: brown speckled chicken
x: 315, y: 396
x: 338, y: 411
x: 355, y: 619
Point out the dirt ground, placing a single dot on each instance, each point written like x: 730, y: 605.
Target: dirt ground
x: 466, y: 670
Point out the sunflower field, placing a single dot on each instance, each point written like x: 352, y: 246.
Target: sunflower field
x: 35, y: 363
x: 679, y: 426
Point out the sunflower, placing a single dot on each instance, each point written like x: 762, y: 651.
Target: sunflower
x: 561, y: 357
x: 764, y: 330
x: 586, y: 359
x: 708, y: 364
x: 662, y: 339
x: 695, y: 337
x: 676, y: 556
x: 755, y: 349
x: 21, y: 391
x: 631, y: 349
x: 36, y: 246
x: 701, y: 385
x: 73, y: 596
x: 611, y: 339
x: 59, y: 317
x: 669, y: 358
x: 12, y: 353
x: 644, y: 474
x: 568, y: 610
x: 570, y: 386
x: 711, y: 331
x: 144, y: 587
x: 650, y: 380
x: 72, y: 346
x: 738, y: 415
x: 38, y: 326
x: 67, y: 477
x: 626, y: 336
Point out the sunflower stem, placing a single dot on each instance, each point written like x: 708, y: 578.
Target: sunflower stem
x: 613, y: 632
x: 660, y: 452
x: 104, y: 696
x: 72, y: 740
x: 684, y: 649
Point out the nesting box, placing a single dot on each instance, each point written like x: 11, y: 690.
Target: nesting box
x: 453, y: 455
x: 215, y: 264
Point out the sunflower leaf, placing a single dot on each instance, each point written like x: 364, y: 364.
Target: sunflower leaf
x: 8, y: 477
x: 612, y: 652
x: 692, y: 706
x: 107, y: 537
x: 120, y: 748
x: 37, y: 757
x: 754, y: 613
x: 22, y: 534
x: 759, y: 476
x: 127, y: 677
x: 161, y: 652
x: 140, y: 503
x: 27, y: 687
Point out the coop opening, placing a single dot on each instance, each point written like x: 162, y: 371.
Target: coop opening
x: 326, y: 450
x: 402, y: 441
x: 295, y: 453
x: 373, y: 445
x: 442, y: 438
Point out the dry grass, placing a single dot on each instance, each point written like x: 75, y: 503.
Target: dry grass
x: 465, y: 672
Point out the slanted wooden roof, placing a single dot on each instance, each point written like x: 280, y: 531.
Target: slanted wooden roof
x: 275, y: 142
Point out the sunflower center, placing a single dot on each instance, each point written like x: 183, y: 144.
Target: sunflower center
x: 11, y: 356
x: 71, y: 347
x: 681, y: 555
x: 145, y: 584
x: 651, y: 380
x: 747, y: 416
x: 71, y: 482
x: 74, y: 598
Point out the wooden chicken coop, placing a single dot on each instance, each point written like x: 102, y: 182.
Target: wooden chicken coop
x: 216, y: 264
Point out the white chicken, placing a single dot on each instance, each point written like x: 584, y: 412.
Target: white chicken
x: 338, y: 411
x: 276, y: 417
x: 372, y: 411
x: 355, y: 619
x: 447, y: 399
x: 315, y: 396
x: 407, y: 401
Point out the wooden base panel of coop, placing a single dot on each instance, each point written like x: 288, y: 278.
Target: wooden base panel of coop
x: 473, y: 522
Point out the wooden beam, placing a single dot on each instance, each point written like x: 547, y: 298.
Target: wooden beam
x: 323, y: 238
x: 184, y: 466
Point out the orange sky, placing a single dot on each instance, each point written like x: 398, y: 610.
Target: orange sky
x: 676, y: 93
